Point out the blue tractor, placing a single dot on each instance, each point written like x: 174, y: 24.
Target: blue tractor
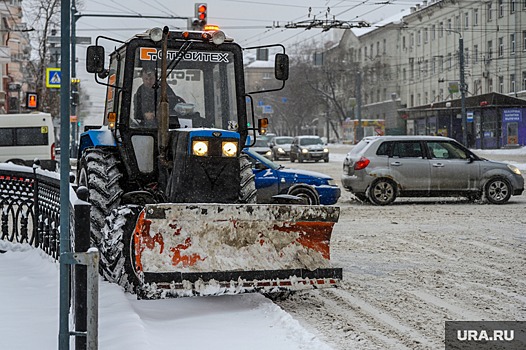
x: 173, y: 198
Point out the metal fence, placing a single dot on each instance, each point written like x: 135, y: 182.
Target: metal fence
x: 30, y: 214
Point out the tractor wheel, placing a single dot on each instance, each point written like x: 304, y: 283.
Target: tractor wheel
x: 117, y: 249
x: 98, y: 172
x: 247, y: 191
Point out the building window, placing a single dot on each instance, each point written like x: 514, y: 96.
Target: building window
x: 490, y: 50
x: 501, y: 47
x: 512, y: 82
x: 434, y: 65
x: 501, y: 8
x: 523, y: 80
x: 411, y: 68
x: 466, y: 57
x: 385, y: 46
x: 524, y: 39
x: 433, y: 32
x: 419, y: 38
x: 458, y: 25
x: 364, y: 53
x: 377, y: 48
x: 512, y: 43
x: 441, y: 63
x: 466, y: 20
x: 372, y: 48
x: 475, y: 17
x: 475, y: 53
x: 501, y: 84
x: 404, y: 74
x: 512, y: 6
x: 449, y: 26
x: 441, y: 29
x: 404, y: 46
x: 449, y: 61
x: 489, y: 12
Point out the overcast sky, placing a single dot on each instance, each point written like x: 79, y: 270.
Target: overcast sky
x: 248, y: 22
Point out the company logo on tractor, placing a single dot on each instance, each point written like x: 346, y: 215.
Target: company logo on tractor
x: 151, y: 54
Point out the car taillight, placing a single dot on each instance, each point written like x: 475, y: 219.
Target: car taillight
x: 362, y: 163
x: 53, y: 151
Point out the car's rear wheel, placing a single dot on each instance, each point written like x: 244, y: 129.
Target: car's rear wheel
x: 498, y: 190
x: 382, y: 192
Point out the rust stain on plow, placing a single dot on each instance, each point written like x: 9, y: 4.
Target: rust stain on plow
x: 185, y: 260
x: 312, y: 235
x: 143, y: 240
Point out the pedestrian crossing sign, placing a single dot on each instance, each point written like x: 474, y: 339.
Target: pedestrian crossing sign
x: 53, y: 78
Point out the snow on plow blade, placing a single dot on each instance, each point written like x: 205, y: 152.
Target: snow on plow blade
x: 213, y: 249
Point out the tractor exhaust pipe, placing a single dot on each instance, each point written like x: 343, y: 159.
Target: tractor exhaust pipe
x: 164, y: 107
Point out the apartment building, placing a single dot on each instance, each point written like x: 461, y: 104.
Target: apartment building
x: 15, y: 52
x: 410, y: 64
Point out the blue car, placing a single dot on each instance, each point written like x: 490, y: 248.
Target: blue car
x: 274, y: 179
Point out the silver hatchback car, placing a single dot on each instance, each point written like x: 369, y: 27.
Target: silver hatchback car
x: 382, y: 168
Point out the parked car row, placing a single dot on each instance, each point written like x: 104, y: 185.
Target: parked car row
x: 300, y: 148
x: 380, y: 169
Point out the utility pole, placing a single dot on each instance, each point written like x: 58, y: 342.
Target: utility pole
x: 359, y: 129
x: 463, y: 92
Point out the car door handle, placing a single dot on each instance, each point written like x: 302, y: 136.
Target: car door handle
x: 438, y: 165
x: 396, y: 163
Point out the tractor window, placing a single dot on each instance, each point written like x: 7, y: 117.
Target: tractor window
x: 201, y: 91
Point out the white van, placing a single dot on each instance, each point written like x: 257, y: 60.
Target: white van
x: 25, y: 137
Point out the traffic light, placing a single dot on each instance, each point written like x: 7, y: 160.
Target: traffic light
x: 75, y: 82
x: 31, y: 100
x: 200, y: 19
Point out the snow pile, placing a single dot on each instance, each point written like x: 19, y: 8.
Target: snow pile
x: 29, y: 318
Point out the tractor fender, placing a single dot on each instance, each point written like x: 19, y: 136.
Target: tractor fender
x: 96, y: 138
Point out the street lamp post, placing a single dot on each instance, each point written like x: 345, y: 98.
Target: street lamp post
x: 462, y: 92
x: 462, y: 87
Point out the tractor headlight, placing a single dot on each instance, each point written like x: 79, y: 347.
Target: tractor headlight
x: 200, y: 148
x: 304, y: 150
x: 156, y: 34
x: 229, y: 149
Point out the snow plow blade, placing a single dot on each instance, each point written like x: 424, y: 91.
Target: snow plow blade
x: 213, y: 249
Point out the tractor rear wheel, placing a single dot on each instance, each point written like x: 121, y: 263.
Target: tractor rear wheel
x: 99, y: 172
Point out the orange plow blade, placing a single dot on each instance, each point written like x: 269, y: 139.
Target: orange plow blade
x: 213, y: 249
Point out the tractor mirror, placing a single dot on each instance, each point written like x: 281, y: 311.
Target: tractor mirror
x: 95, y: 59
x: 281, y: 67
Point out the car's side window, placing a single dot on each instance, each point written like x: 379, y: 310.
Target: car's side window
x: 407, y: 149
x: 437, y: 150
x: 384, y: 149
x: 446, y: 150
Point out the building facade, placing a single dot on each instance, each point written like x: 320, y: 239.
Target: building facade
x: 412, y: 62
x: 15, y: 50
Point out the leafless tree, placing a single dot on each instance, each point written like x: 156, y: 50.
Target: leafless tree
x: 44, y: 16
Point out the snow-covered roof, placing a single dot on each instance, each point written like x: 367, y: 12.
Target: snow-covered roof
x: 394, y: 19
